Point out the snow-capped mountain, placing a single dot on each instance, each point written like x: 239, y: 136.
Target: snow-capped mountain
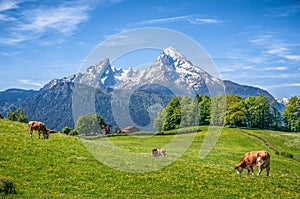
x: 142, y: 90
x: 171, y: 69
x: 283, y: 101
x: 175, y: 71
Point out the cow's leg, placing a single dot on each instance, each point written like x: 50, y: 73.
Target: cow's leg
x: 259, y: 170
x: 248, y: 169
x: 39, y: 133
x: 268, y: 170
x: 30, y: 132
x: 252, y: 171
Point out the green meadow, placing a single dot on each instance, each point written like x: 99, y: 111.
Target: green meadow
x: 63, y: 167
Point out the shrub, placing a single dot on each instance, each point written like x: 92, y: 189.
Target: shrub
x: 17, y: 115
x: 287, y: 154
x: 191, y: 129
x: 73, y: 132
x: 7, y: 185
x: 66, y: 130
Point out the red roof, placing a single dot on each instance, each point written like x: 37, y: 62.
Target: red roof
x: 130, y: 129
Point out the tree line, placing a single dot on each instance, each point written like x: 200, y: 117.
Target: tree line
x: 229, y: 110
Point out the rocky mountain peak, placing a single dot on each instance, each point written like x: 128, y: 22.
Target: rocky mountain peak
x: 99, y: 76
x: 171, y: 58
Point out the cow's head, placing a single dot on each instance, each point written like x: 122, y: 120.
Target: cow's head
x: 238, y: 169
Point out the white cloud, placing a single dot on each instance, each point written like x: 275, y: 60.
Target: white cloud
x: 33, y: 22
x: 14, y: 39
x: 4, y: 17
x: 8, y: 5
x: 279, y: 50
x: 192, y: 19
x: 261, y: 39
x: 61, y: 19
x: 208, y: 21
x: 277, y: 47
x: 32, y: 83
x: 282, y: 85
x: 283, y: 11
x: 278, y: 68
x: 292, y: 57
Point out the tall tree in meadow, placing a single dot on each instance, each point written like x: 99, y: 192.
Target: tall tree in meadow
x: 89, y: 124
x: 258, y: 112
x: 173, y: 114
x: 187, y: 117
x: 249, y: 103
x: 236, y: 111
x: 292, y: 114
x: 275, y: 117
x: 218, y: 110
x: 263, y: 111
x: 204, y: 110
x: 160, y: 120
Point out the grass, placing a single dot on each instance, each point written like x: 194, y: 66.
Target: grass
x: 62, y: 167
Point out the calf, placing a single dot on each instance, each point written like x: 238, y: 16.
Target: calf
x: 261, y: 159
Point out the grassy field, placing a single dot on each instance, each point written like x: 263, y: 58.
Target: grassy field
x: 62, y: 167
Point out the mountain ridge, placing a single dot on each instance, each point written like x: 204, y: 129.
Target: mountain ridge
x: 171, y: 73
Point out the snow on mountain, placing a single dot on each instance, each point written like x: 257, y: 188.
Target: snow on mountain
x: 172, y: 67
x: 170, y: 70
x: 101, y: 75
x: 283, y: 101
x: 170, y: 74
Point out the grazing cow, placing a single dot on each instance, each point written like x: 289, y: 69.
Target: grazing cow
x: 40, y: 128
x: 261, y: 159
x: 158, y: 152
x: 51, y: 131
x: 154, y: 152
x: 105, y: 129
x: 161, y: 152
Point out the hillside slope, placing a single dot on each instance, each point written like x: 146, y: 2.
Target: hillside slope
x: 61, y: 167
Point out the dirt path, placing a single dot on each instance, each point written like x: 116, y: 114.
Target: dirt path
x: 261, y: 139
x: 267, y: 144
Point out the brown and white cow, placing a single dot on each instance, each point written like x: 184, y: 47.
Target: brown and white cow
x: 158, y: 152
x: 40, y: 128
x: 261, y: 159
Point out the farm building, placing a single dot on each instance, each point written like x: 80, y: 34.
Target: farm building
x: 130, y: 129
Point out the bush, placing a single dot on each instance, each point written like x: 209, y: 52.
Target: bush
x: 66, y: 130
x: 73, y: 132
x: 286, y: 154
x: 7, y: 185
x: 191, y: 129
x: 17, y: 115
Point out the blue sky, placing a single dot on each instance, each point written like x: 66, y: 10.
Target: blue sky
x: 252, y: 42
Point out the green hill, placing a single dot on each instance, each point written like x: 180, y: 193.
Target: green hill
x: 62, y: 167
